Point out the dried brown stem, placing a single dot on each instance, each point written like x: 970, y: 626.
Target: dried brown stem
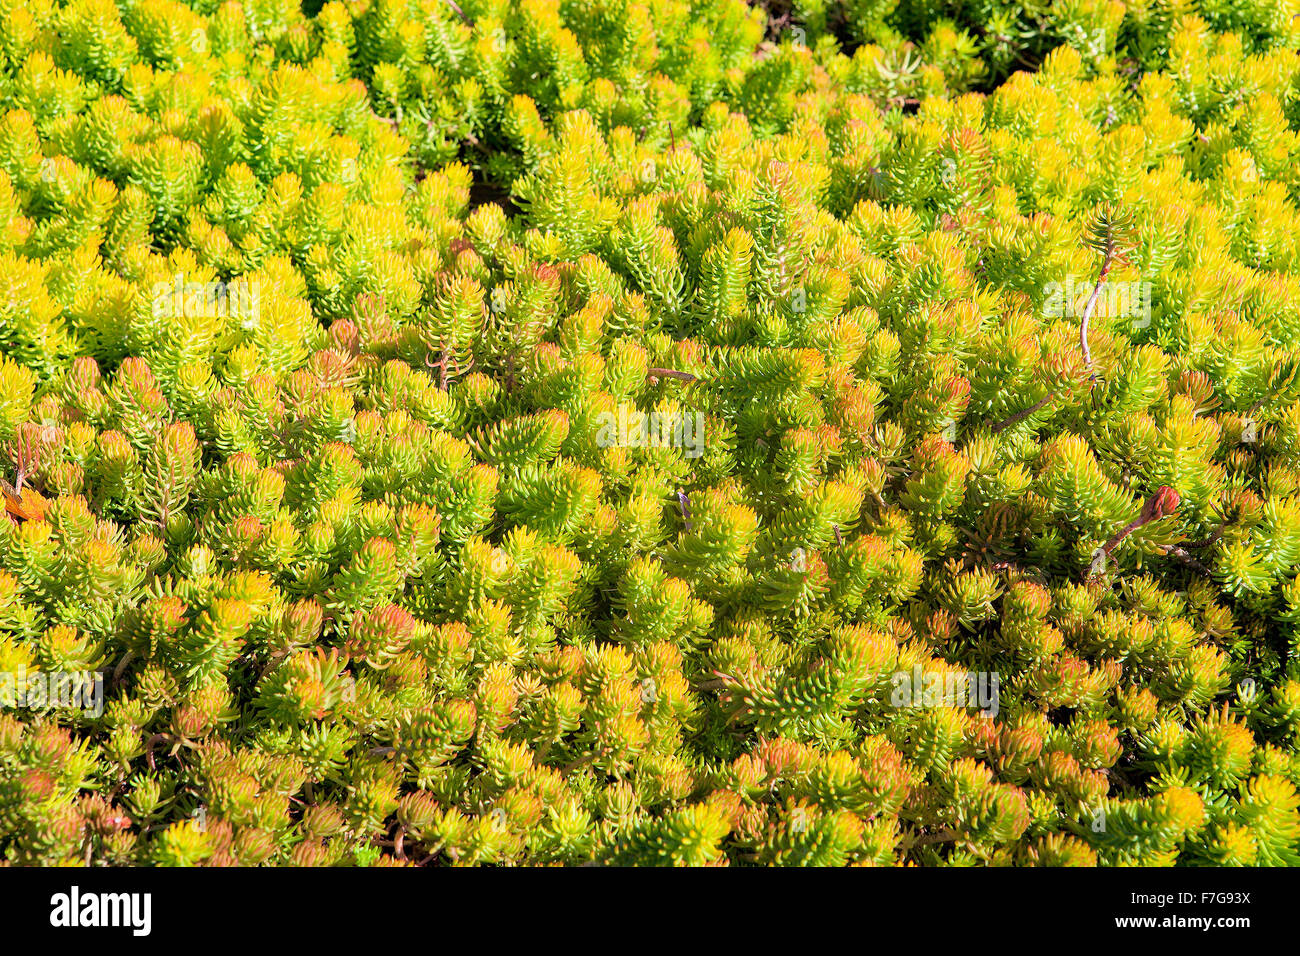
x: 670, y: 373
x: 1106, y: 261
x: 1181, y: 554
x: 1020, y: 416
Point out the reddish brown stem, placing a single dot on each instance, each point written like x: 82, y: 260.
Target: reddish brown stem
x: 1163, y: 503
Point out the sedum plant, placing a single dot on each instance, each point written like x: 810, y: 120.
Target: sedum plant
x: 684, y: 432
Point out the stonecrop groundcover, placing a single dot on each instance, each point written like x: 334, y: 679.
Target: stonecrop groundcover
x: 650, y: 432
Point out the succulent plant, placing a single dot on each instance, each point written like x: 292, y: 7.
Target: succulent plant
x: 677, y: 432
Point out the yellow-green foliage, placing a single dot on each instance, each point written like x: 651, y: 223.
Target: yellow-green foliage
x: 553, y: 431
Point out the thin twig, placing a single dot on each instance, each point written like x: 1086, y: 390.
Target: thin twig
x: 127, y: 658
x: 1181, y: 554
x: 150, y: 744
x: 1107, y: 259
x: 1206, y: 542
x: 670, y: 373
x: 1163, y: 503
x: 926, y: 840
x: 1025, y: 413
x: 580, y: 762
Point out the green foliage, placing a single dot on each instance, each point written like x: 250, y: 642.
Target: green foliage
x: 560, y: 432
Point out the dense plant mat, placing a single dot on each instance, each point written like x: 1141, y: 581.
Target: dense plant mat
x: 654, y: 432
